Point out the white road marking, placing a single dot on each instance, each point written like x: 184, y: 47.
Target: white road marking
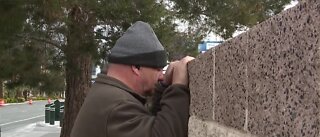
x: 20, y: 120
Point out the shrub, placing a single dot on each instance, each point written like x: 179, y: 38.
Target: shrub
x: 11, y: 100
x: 14, y: 100
x: 21, y: 99
x: 39, y: 98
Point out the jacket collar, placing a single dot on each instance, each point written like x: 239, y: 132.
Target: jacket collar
x: 103, y: 78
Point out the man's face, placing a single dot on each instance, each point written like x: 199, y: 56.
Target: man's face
x: 150, y: 76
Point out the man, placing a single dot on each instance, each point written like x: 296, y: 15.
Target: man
x: 115, y: 105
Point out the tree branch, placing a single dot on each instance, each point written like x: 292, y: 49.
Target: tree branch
x: 50, y: 42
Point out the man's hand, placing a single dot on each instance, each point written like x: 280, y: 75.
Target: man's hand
x: 177, y: 72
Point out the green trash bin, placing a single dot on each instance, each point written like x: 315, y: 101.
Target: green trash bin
x: 57, y: 110
x: 52, y: 113
x: 47, y: 113
x: 61, y: 103
x: 61, y: 115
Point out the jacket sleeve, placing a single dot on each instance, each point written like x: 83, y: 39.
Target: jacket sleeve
x: 131, y: 119
x: 156, y: 98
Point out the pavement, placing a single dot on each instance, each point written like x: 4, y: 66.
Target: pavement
x: 38, y: 129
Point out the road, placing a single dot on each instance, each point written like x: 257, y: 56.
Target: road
x: 15, y: 116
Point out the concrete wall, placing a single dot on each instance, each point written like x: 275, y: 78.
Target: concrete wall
x: 264, y: 83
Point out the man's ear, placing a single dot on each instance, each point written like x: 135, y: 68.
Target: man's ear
x: 135, y: 70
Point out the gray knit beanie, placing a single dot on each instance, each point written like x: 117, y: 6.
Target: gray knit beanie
x: 139, y: 46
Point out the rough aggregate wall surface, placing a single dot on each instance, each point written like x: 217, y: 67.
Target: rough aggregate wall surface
x: 230, y: 83
x: 202, y: 88
x: 283, y: 77
x: 209, y: 128
x: 266, y: 81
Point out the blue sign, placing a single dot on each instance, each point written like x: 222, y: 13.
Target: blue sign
x: 206, y: 45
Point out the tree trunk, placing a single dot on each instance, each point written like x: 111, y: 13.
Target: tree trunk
x: 18, y: 94
x: 1, y: 90
x: 78, y: 67
x: 77, y: 87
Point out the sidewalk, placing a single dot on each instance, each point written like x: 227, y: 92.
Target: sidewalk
x: 39, y: 129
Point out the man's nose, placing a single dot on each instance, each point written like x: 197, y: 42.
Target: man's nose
x: 161, y: 76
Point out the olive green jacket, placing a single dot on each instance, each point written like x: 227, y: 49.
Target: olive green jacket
x: 112, y: 109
